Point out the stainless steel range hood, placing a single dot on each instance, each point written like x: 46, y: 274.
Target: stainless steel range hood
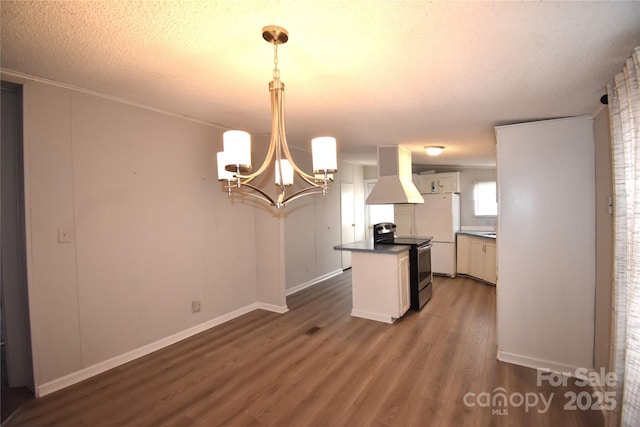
x: 394, y: 183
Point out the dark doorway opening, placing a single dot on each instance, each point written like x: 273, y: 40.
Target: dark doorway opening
x: 17, y: 365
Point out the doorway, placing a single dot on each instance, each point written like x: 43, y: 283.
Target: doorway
x: 375, y: 214
x: 17, y: 365
x: 347, y: 216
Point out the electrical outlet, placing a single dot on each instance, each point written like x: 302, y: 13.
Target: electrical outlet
x: 64, y: 235
x: 195, y: 306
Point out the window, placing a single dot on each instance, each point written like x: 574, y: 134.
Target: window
x: 484, y: 198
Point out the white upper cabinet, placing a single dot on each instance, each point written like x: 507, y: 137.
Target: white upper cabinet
x: 448, y: 182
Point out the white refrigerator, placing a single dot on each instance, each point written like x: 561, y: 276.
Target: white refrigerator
x: 439, y: 216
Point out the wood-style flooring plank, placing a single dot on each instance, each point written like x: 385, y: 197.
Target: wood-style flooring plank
x: 318, y: 366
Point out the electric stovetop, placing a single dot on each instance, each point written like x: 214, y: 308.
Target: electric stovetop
x: 409, y: 240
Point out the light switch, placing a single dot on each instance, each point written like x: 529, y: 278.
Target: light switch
x: 64, y: 235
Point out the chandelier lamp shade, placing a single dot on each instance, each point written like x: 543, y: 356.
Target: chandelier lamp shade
x: 234, y: 163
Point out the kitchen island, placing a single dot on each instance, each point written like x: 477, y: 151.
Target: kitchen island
x: 380, y: 280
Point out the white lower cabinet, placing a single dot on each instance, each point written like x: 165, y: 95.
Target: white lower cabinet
x: 380, y: 285
x: 477, y: 257
x: 463, y: 248
x: 490, y: 266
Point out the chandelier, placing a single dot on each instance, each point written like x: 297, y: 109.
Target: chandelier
x: 234, y: 163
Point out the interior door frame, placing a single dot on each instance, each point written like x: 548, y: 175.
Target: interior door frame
x: 13, y: 255
x: 347, y: 222
x: 368, y: 226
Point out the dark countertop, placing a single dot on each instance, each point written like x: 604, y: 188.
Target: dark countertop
x: 368, y: 246
x: 486, y: 234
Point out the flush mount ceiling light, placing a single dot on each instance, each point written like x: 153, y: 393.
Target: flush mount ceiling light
x: 234, y: 163
x: 434, y: 150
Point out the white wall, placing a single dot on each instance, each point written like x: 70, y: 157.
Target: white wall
x: 312, y: 229
x: 546, y: 244
x: 150, y: 230
x: 370, y: 172
x: 269, y: 246
x: 360, y: 207
x: 270, y: 258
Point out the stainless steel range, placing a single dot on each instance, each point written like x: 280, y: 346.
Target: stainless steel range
x: 420, y: 273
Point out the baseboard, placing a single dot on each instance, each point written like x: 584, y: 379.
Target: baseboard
x: 315, y: 281
x: 541, y: 364
x: 477, y: 279
x: 98, y: 368
x: 281, y: 309
x: 372, y: 316
x: 451, y: 276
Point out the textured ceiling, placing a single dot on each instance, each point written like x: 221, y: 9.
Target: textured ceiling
x: 369, y: 72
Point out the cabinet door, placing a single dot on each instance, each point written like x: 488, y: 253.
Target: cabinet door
x: 403, y: 285
x: 422, y: 183
x: 476, y: 258
x: 449, y: 183
x: 462, y: 253
x: 490, y: 274
x: 428, y: 184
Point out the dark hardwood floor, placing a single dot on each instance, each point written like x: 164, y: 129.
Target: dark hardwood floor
x: 317, y: 365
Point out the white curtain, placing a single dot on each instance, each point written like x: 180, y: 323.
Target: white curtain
x: 624, y: 112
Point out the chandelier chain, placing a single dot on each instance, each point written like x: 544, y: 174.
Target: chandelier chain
x: 276, y: 71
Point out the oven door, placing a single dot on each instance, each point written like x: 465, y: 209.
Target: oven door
x: 425, y: 275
